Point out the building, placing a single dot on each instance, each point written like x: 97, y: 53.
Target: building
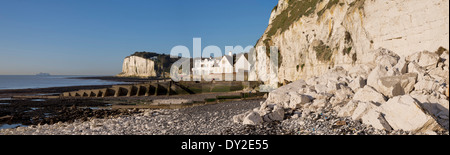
x: 217, y: 68
x: 225, y: 64
x: 242, y: 64
x: 203, y: 66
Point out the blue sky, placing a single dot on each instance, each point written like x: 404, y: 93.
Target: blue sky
x: 91, y: 37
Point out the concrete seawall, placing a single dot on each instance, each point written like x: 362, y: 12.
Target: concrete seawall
x: 163, y: 88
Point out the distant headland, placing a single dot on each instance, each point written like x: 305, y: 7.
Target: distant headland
x: 43, y: 74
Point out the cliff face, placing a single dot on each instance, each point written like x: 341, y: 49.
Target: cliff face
x: 147, y: 64
x: 136, y: 66
x: 315, y: 35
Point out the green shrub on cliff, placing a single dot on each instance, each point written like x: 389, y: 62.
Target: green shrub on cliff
x: 295, y: 10
x: 146, y: 55
x: 323, y: 52
x: 328, y: 6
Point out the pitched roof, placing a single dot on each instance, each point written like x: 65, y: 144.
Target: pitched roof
x: 215, y: 64
x: 240, y: 55
x: 229, y: 59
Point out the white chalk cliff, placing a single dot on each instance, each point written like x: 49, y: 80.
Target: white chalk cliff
x: 329, y: 33
x: 135, y: 66
x: 384, y: 63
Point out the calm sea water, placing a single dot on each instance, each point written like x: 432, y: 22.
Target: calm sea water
x: 33, y: 81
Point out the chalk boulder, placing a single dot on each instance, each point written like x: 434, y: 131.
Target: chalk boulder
x: 277, y: 114
x: 402, y: 66
x: 427, y: 85
x: 405, y: 113
x: 357, y: 83
x: 439, y: 108
x: 391, y: 86
x: 348, y: 109
x: 253, y: 118
x: 376, y: 119
x: 413, y: 67
x: 428, y: 59
x: 362, y: 109
x: 297, y: 100
x: 369, y: 94
x: 380, y: 71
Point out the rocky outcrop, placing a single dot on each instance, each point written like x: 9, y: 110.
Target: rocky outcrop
x: 316, y: 35
x: 135, y: 66
x: 412, y: 99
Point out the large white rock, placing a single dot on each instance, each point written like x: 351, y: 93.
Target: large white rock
x: 405, y: 113
x: 297, y: 100
x: 342, y: 95
x: 379, y: 72
x: 252, y: 118
x: 413, y: 67
x: 371, y: 118
x: 428, y: 59
x: 413, y: 57
x: 277, y: 114
x: 439, y: 108
x: 357, y: 83
x: 332, y: 86
x: 402, y: 66
x: 387, y: 58
x: 391, y: 86
x: 278, y: 97
x: 240, y: 118
x: 376, y: 119
x: 368, y: 94
x: 318, y: 103
x: 439, y: 74
x: 427, y: 85
x: 361, y: 70
x: 362, y: 109
x: 320, y: 88
x: 282, y: 95
x: 348, y: 109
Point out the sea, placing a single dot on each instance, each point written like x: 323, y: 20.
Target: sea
x: 36, y: 81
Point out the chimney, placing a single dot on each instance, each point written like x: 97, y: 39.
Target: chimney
x: 230, y: 53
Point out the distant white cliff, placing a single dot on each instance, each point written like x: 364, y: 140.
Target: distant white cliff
x: 135, y: 66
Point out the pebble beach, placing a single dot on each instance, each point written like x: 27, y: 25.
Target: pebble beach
x: 216, y: 119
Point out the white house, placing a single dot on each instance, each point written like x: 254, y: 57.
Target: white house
x: 242, y: 64
x: 203, y: 67
x: 214, y: 66
x: 226, y: 64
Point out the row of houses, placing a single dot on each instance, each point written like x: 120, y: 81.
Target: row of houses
x: 221, y: 65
